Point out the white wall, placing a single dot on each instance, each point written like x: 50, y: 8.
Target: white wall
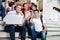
x: 48, y: 11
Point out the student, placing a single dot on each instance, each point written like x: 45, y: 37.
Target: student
x: 38, y: 29
x: 21, y: 26
x: 27, y: 15
x: 15, y: 3
x: 33, y: 7
x: 11, y: 7
x: 31, y: 4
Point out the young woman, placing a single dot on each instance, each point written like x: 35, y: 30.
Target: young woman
x: 27, y: 15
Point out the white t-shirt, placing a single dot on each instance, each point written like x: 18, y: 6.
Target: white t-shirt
x: 38, y: 24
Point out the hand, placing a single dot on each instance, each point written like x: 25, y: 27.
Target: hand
x: 21, y: 12
x: 3, y: 24
x: 44, y: 30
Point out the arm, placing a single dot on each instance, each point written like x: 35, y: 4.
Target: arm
x: 27, y: 17
x: 31, y: 20
x: 45, y: 27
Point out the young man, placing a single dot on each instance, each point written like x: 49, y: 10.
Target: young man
x: 21, y: 26
x: 38, y: 29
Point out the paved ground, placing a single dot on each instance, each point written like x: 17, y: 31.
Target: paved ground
x: 48, y: 38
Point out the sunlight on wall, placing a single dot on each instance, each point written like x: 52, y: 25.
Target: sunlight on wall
x: 48, y: 11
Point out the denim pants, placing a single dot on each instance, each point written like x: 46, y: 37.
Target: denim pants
x: 34, y: 34
x: 22, y: 32
x: 2, y: 9
x: 27, y: 24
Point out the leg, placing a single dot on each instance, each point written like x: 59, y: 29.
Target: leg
x: 23, y: 33
x: 43, y: 34
x: 28, y: 28
x: 12, y: 32
x: 33, y: 33
x: 2, y: 12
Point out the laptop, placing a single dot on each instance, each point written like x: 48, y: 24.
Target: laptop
x: 13, y: 19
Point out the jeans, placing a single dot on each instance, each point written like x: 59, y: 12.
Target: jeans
x: 27, y: 24
x: 22, y: 32
x: 2, y: 9
x: 34, y: 34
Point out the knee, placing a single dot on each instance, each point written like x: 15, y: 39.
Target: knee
x: 32, y: 27
x: 44, y: 34
x: 12, y: 28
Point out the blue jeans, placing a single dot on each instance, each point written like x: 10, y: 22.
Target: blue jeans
x: 22, y: 31
x: 27, y: 24
x: 34, y: 34
x: 2, y: 9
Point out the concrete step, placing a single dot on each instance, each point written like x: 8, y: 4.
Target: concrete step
x: 0, y: 18
x: 1, y: 22
x: 5, y: 34
x: 49, y: 25
x: 53, y: 29
x: 48, y: 38
x: 1, y: 27
x: 52, y: 23
x: 53, y: 33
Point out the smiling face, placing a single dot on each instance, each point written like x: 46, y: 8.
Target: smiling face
x: 26, y: 6
x: 34, y: 7
x: 18, y: 8
x: 36, y: 13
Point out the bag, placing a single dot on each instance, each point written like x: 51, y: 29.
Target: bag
x: 38, y: 36
x: 42, y: 23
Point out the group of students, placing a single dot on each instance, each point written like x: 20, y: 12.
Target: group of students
x: 31, y: 20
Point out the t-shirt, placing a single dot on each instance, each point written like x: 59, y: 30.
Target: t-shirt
x: 27, y: 15
x: 38, y: 24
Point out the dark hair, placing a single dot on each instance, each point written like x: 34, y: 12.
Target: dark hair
x: 34, y: 5
x: 16, y: 0
x: 23, y: 8
x: 36, y: 10
x: 24, y: 4
x: 11, y: 4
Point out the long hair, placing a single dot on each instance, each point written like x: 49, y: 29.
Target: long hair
x: 23, y: 10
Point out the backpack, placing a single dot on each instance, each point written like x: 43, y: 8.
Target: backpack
x: 42, y: 23
x: 38, y: 35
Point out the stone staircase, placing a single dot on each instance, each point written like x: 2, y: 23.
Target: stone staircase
x: 53, y: 28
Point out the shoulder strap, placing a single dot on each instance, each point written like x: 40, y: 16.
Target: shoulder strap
x: 41, y: 21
